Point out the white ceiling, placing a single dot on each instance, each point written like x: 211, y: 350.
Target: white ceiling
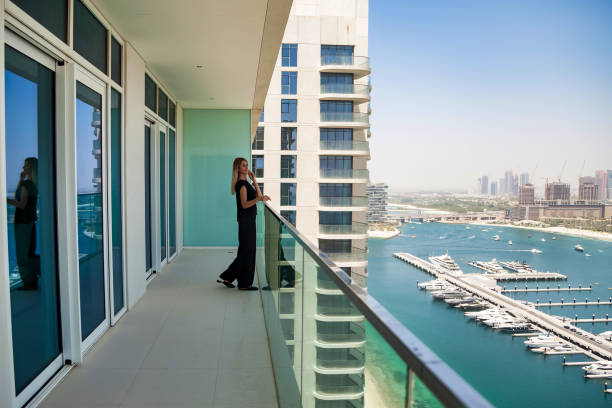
x: 173, y: 37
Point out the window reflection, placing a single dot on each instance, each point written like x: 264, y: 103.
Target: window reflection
x: 30, y: 183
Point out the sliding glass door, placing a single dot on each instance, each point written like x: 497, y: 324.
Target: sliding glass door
x: 162, y: 196
x: 91, y: 207
x: 148, y: 199
x: 31, y: 217
x: 171, y: 193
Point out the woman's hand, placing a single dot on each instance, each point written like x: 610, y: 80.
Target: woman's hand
x: 265, y: 198
x: 252, y: 176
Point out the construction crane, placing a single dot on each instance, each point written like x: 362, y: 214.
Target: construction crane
x: 562, y: 168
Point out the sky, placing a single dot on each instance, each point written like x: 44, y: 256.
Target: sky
x: 462, y: 89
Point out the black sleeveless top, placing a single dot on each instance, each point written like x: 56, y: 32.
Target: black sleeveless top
x: 28, y: 214
x: 248, y: 213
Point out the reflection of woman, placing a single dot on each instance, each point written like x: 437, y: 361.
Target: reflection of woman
x: 25, y: 200
x: 243, y: 267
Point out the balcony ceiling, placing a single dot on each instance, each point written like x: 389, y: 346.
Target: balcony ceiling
x: 235, y: 41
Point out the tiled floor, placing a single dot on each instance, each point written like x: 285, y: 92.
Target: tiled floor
x: 188, y: 343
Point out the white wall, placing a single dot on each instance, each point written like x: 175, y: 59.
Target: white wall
x: 134, y: 176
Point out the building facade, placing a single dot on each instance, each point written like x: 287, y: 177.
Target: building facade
x: 484, y: 185
x: 312, y: 152
x: 493, y: 191
x: 378, y: 197
x: 609, y: 185
x: 524, y: 179
x: 526, y: 194
x: 601, y: 180
x: 557, y: 191
x: 588, y: 190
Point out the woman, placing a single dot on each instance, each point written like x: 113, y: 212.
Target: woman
x: 247, y: 196
x: 26, y: 197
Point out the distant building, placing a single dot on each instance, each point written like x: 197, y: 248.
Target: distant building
x: 377, y: 203
x: 524, y: 179
x: 484, y: 185
x: 493, y: 190
x: 508, y: 182
x: 543, y: 210
x: 526, y: 194
x: 609, y: 185
x: 557, y: 191
x: 501, y: 186
x: 601, y: 181
x: 587, y: 189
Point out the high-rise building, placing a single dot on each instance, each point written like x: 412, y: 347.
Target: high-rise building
x: 602, y: 185
x: 524, y: 179
x: 526, y: 194
x: 588, y: 190
x: 315, y: 153
x: 508, y: 183
x: 609, y: 185
x: 557, y: 191
x: 484, y: 185
x: 502, y: 186
x: 378, y: 196
x: 493, y: 190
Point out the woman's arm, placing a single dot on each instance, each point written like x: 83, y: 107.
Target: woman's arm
x: 243, y: 198
x: 24, y: 199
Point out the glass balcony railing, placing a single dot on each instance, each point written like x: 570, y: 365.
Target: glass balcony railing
x: 349, y: 337
x: 345, y: 173
x: 345, y: 145
x: 354, y: 228
x: 360, y: 117
x: 351, y: 89
x: 419, y: 377
x: 355, y: 201
x: 354, y: 255
x: 346, y: 60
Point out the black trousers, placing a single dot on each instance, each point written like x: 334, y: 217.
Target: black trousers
x: 243, y: 267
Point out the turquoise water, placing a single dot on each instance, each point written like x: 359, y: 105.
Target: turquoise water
x: 496, y: 364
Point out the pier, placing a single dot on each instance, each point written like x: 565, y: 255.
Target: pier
x: 546, y: 322
x: 526, y: 276
x: 536, y: 290
x: 554, y: 304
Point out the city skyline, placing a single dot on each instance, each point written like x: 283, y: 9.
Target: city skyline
x: 489, y: 86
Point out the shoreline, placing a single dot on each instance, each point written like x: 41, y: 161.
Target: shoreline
x: 598, y: 235
x: 383, y: 234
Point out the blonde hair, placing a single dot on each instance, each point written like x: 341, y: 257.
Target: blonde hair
x: 237, y: 162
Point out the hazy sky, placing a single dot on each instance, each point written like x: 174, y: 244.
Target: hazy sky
x: 469, y: 88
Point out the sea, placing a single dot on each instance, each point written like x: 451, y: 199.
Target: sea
x: 496, y: 364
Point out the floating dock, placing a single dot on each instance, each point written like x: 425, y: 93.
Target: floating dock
x: 554, y: 304
x: 526, y: 276
x: 537, y: 290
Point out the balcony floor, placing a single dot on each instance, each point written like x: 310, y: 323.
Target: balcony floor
x: 189, y: 342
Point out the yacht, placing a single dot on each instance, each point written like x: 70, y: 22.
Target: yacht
x: 578, y: 248
x: 517, y: 326
x: 599, y: 368
x: 488, y: 266
x: 535, y: 251
x: 587, y: 254
x: 448, y: 293
x: 543, y: 240
x: 544, y: 340
x: 496, y: 237
x: 510, y: 242
x: 554, y: 238
x: 485, y: 230
x: 459, y: 300
x: 434, y: 285
x: 445, y: 264
x: 515, y: 266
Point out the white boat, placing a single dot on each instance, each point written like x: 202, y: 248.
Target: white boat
x: 472, y: 237
x: 485, y: 230
x: 536, y: 251
x: 467, y: 227
x: 578, y: 248
x: 448, y: 293
x: 544, y: 340
x: 446, y: 264
x: 554, y: 238
x: 488, y: 266
x: 587, y: 254
x: 515, y: 266
x: 599, y: 368
x: 509, y: 242
x: 435, y: 285
x: 543, y: 240
x: 496, y: 237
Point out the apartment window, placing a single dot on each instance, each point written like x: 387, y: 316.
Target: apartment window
x: 289, y: 55
x: 172, y: 113
x: 335, y: 245
x: 336, y: 106
x: 289, y: 215
x: 337, y: 54
x: 90, y: 36
x: 261, y: 117
x: 336, y: 138
x: 288, y: 166
x: 336, y: 79
x: 336, y: 162
x: 289, y: 83
x: 289, y: 110
x: 116, y: 58
x: 51, y: 14
x: 288, y: 138
x: 257, y: 165
x: 163, y: 105
x: 335, y: 218
x: 335, y: 190
x: 288, y: 193
x: 258, y: 143
x: 150, y: 93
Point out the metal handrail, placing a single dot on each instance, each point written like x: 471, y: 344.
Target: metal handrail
x: 448, y: 387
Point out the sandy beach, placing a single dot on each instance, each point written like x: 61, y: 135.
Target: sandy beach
x: 372, y: 395
x: 603, y: 236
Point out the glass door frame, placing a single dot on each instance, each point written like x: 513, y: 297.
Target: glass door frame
x: 149, y: 273
x: 13, y: 40
x: 171, y: 257
x: 161, y: 128
x: 89, y: 80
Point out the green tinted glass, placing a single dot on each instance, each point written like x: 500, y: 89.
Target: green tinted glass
x: 90, y: 36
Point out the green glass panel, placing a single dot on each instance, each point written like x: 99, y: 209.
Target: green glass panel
x: 90, y: 36
x: 163, y: 105
x: 117, y: 225
x: 172, y: 113
x: 150, y: 93
x: 51, y: 14
x: 172, y: 191
x: 116, y: 60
